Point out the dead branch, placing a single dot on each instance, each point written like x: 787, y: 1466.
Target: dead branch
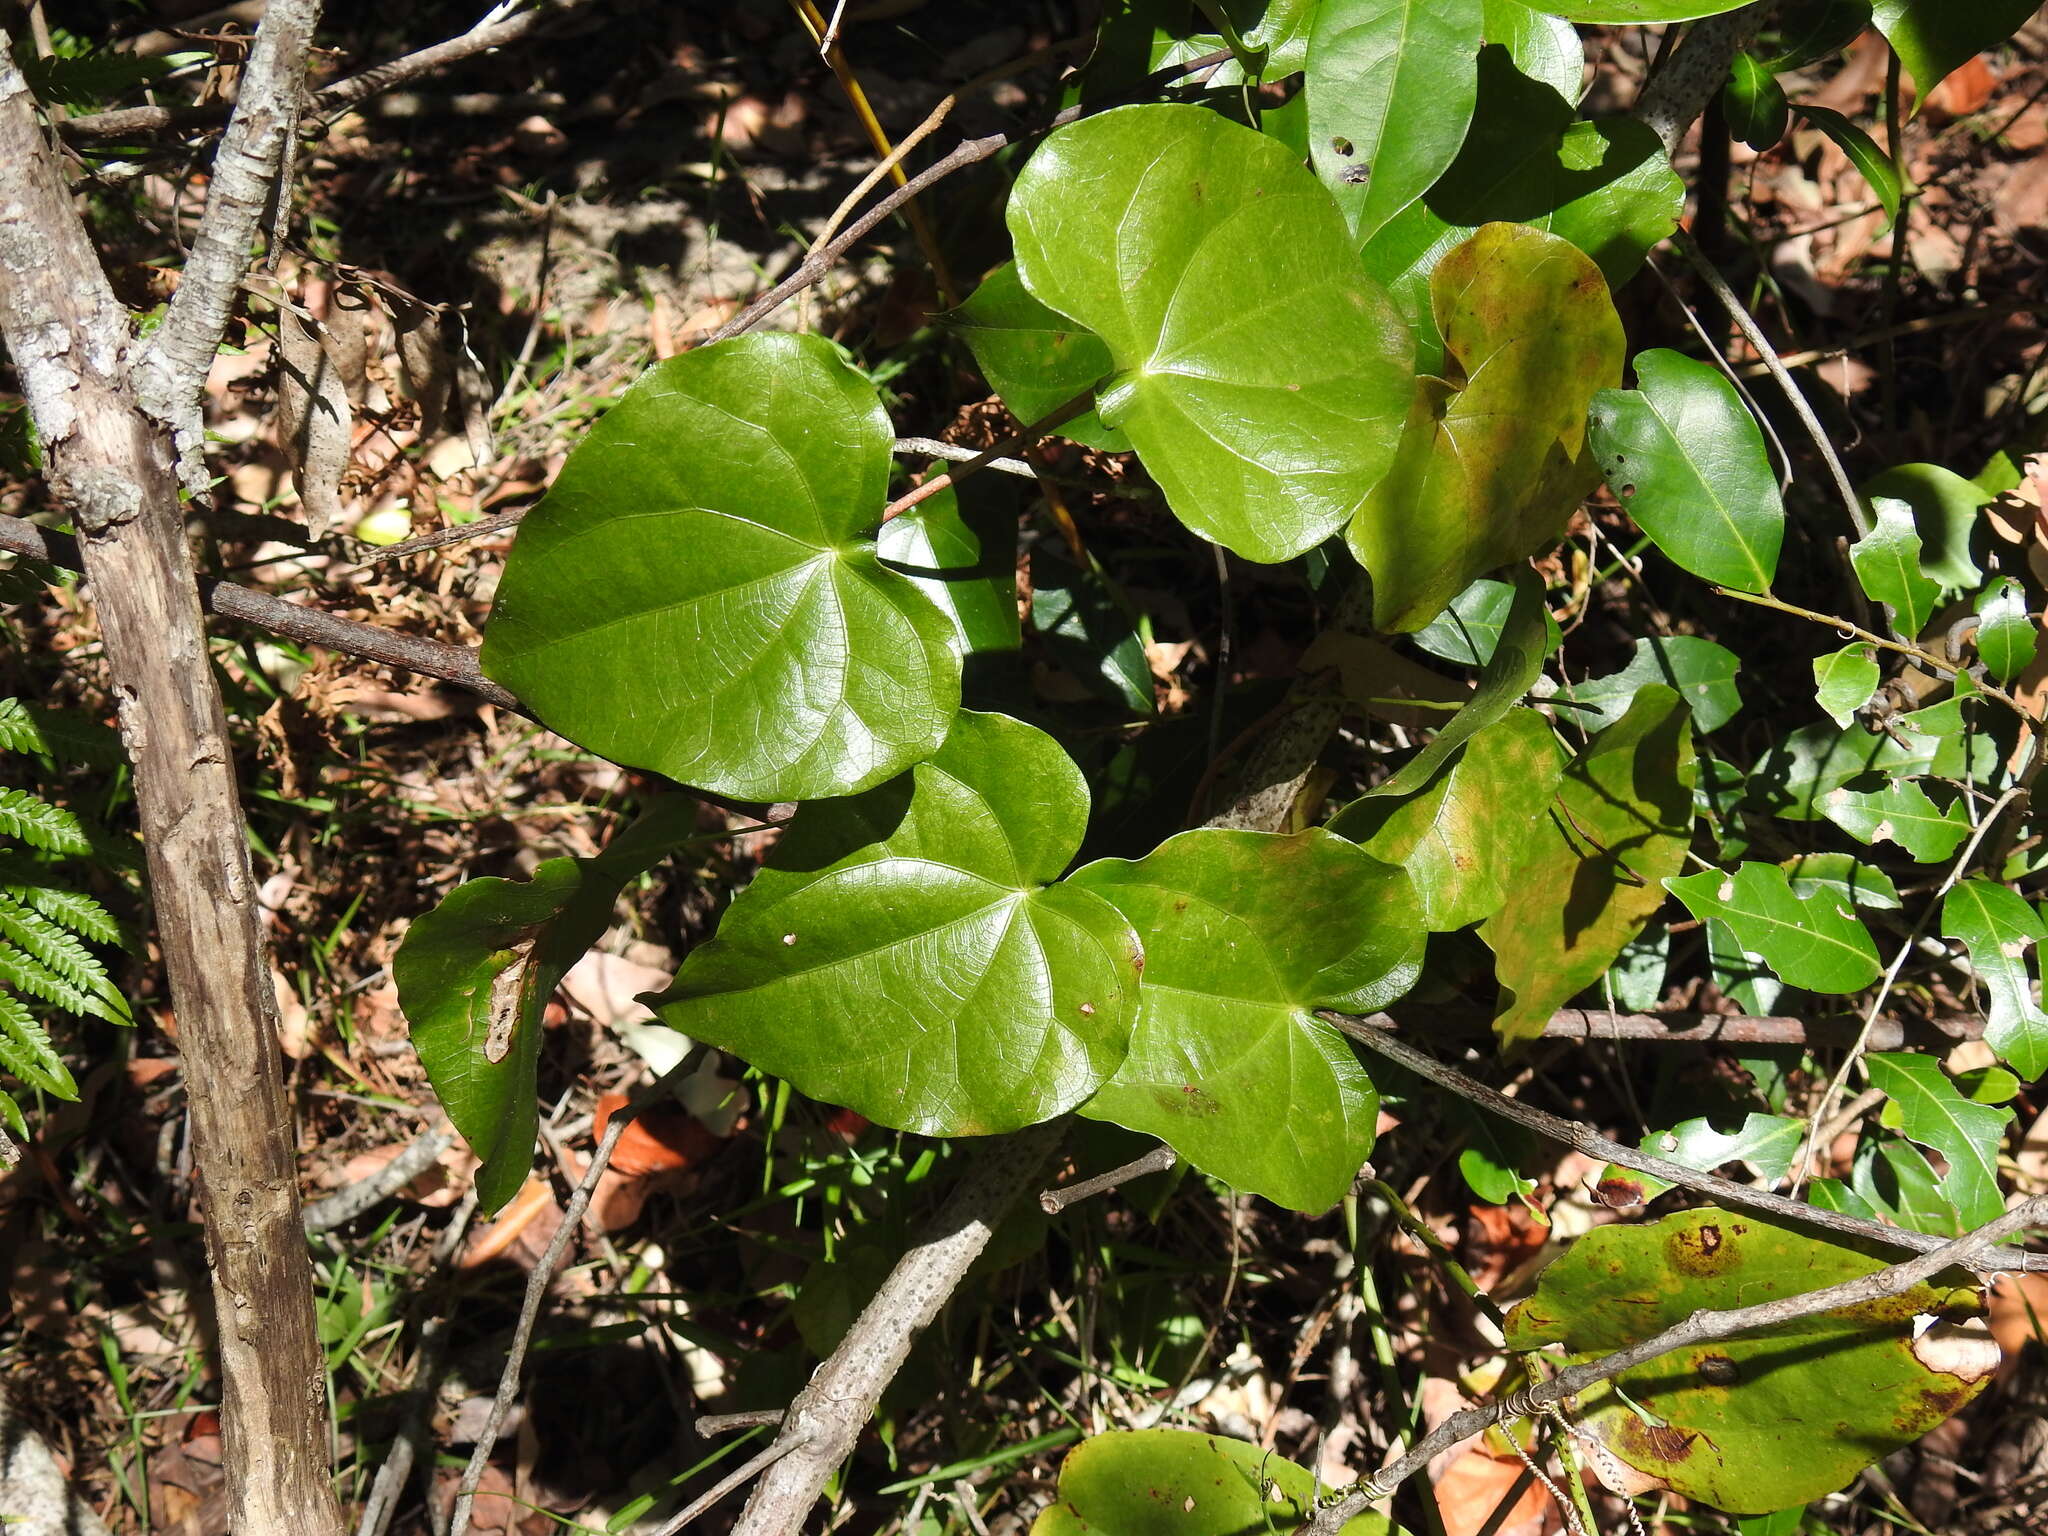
x: 1967, y: 1252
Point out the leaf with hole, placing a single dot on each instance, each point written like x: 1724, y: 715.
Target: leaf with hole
x: 474, y: 975
x: 1766, y: 1419
x: 1034, y: 359
x: 905, y: 953
x: 1266, y: 421
x: 1490, y: 472
x: 1462, y: 835
x: 1928, y: 1106
x: 1898, y: 812
x: 1801, y: 771
x: 1947, y: 513
x: 1765, y: 1144
x: 1861, y: 884
x: 1686, y: 459
x: 1998, y: 927
x: 698, y: 593
x: 1701, y: 671
x: 1816, y: 941
x: 1391, y: 86
x: 1246, y: 934
x: 1617, y: 829
x: 1844, y: 680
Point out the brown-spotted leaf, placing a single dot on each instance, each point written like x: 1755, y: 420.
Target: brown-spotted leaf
x: 1765, y: 1420
x: 1493, y: 460
x: 1597, y: 862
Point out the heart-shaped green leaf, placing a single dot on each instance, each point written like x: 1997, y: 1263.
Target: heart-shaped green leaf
x: 1814, y: 941
x: 1998, y: 928
x: 698, y: 593
x: 1490, y: 472
x: 1686, y: 460
x: 1765, y: 1419
x: 1035, y: 359
x: 1929, y: 1107
x: 1887, y: 563
x: 1391, y: 85
x: 1246, y: 934
x: 903, y: 953
x: 1934, y: 38
x: 1179, y: 1482
x: 1844, y: 680
x: 1595, y: 871
x: 474, y: 974
x: 964, y: 560
x: 1461, y: 836
x: 1261, y: 375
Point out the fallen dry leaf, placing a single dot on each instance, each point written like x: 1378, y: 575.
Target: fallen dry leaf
x: 522, y: 1230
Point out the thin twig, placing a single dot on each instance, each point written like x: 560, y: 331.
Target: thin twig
x: 1967, y: 1252
x: 722, y: 1423
x: 988, y: 456
x: 739, y: 1477
x: 960, y: 453
x: 1158, y: 1160
x: 1372, y: 1034
x: 345, y: 1205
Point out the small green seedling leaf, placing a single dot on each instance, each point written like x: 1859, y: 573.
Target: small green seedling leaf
x: 1594, y: 875
x: 1764, y: 1420
x: 699, y: 592
x: 1264, y: 422
x: 1754, y: 104
x: 2006, y: 635
x: 1844, y: 680
x: 903, y: 952
x: 1998, y: 927
x: 474, y: 975
x: 1816, y: 942
x: 1391, y: 86
x: 1246, y: 934
x: 1686, y: 459
x: 1887, y: 563
x: 1927, y: 1106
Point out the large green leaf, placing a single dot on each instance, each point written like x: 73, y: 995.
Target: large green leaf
x: 1461, y: 836
x: 1180, y: 1482
x: 1934, y: 38
x: 1636, y: 12
x: 903, y: 953
x: 964, y: 560
x: 1999, y: 927
x: 1763, y: 1420
x: 1619, y: 829
x: 1887, y: 563
x: 1391, y: 85
x: 1246, y: 934
x: 1491, y: 472
x: 1035, y: 359
x: 698, y: 594
x: 1686, y: 460
x: 1607, y: 186
x: 474, y: 974
x: 2006, y: 636
x: 1545, y: 48
x: 1260, y: 374
x: 1701, y: 671
x: 1926, y: 1104
x: 1814, y: 941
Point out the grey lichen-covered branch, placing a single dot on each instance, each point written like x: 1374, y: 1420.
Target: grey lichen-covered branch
x: 1967, y: 1252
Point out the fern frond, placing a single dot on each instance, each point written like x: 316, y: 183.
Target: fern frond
x: 25, y: 973
x: 40, y: 824
x: 26, y: 1052
x: 73, y: 909
x: 17, y: 732
x: 60, y: 952
x: 62, y: 735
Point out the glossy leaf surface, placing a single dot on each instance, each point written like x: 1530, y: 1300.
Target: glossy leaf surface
x: 1597, y: 863
x: 1754, y: 104
x: 1762, y: 1420
x: 2006, y: 636
x: 1545, y: 48
x: 1636, y: 12
x: 1264, y: 422
x: 1491, y: 472
x: 1998, y: 927
x: 1467, y: 631
x: 474, y: 974
x: 1245, y: 935
x: 1927, y: 1105
x: 1901, y: 813
x: 1945, y: 510
x: 1887, y: 563
x: 698, y: 593
x: 1814, y: 941
x: 1686, y: 460
x: 1844, y: 680
x: 1878, y: 170
x: 1766, y: 1144
x: 1702, y: 672
x: 1178, y: 1482
x: 1863, y: 885
x: 1391, y: 85
x: 1463, y: 834
x: 1035, y: 359
x: 902, y: 952
x: 965, y: 561
x: 1934, y: 38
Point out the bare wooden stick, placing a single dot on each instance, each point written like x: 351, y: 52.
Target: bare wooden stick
x: 1158, y: 1160
x: 111, y: 466
x: 345, y: 1205
x: 1967, y: 1252
x: 822, y: 1424
x: 1373, y: 1034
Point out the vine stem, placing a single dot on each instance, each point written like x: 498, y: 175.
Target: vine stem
x: 990, y: 456
x: 1966, y: 1252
